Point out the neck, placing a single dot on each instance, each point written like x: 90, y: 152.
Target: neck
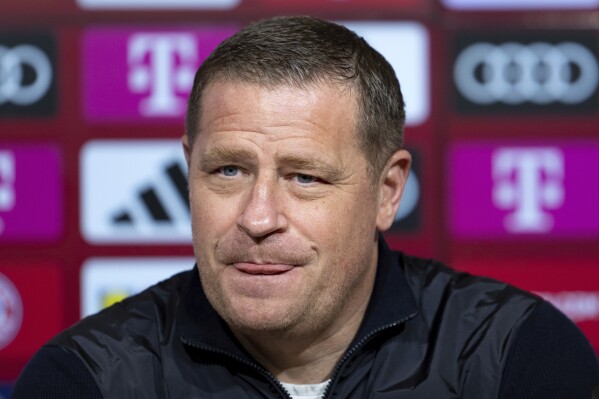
x: 304, y: 360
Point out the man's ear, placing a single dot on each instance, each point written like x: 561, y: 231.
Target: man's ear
x: 186, y: 149
x: 391, y: 186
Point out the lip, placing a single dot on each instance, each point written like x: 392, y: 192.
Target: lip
x: 267, y: 269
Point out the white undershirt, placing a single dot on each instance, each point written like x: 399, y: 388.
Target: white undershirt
x: 306, y: 391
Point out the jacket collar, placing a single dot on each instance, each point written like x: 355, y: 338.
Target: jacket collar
x: 391, y: 302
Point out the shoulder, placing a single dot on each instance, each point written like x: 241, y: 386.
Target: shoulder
x: 470, y: 319
x: 536, y: 350
x: 440, y: 290
x: 112, y: 341
x: 549, y: 358
x: 143, y: 314
x: 55, y: 373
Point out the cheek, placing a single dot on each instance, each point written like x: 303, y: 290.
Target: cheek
x: 355, y: 226
x: 334, y: 223
x: 314, y: 218
x: 211, y: 216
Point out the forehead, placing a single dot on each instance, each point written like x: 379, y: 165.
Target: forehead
x: 323, y: 109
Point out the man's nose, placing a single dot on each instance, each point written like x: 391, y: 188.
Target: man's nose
x: 262, y: 213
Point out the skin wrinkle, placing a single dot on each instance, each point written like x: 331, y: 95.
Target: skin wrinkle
x: 296, y: 324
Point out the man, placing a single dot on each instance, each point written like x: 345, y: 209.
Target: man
x: 294, y: 146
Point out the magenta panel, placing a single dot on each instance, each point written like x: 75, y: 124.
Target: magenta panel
x: 539, y: 190
x: 132, y: 75
x: 31, y: 197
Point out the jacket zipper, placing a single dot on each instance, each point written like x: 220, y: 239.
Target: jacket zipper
x: 350, y: 353
x: 273, y: 380
x: 239, y: 359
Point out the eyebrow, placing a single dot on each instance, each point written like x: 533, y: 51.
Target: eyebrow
x: 217, y: 155
x: 330, y: 171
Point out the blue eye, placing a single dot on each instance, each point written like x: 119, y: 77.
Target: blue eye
x: 229, y: 171
x: 305, y: 179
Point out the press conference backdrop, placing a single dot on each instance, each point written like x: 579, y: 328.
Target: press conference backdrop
x: 502, y: 119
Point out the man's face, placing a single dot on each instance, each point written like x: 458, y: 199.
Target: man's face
x: 284, y: 212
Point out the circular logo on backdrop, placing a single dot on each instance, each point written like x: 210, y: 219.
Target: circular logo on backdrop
x: 410, y: 198
x: 11, y: 311
x: 14, y: 64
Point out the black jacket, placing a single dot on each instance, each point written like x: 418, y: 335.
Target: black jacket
x: 428, y: 332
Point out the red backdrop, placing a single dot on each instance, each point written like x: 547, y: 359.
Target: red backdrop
x: 502, y: 121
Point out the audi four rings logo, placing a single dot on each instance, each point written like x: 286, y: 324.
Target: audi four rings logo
x: 514, y: 73
x: 27, y: 74
x: 13, y: 86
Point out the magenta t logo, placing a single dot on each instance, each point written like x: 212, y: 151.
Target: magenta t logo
x: 530, y: 183
x: 541, y: 190
x: 133, y: 75
x: 7, y: 180
x: 30, y: 193
x: 153, y: 71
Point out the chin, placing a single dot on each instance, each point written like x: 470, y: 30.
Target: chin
x: 259, y: 325
x: 261, y: 316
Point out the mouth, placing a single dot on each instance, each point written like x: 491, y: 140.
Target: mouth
x: 267, y: 269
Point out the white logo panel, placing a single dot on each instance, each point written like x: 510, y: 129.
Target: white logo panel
x: 519, y: 4
x: 579, y: 306
x: 158, y: 4
x: 107, y: 280
x: 406, y: 46
x: 134, y: 192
